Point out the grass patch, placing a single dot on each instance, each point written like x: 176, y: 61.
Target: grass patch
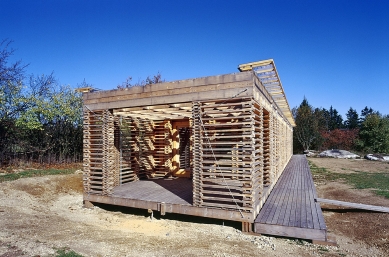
x: 322, y: 249
x: 378, y: 182
x: 321, y: 173
x: 35, y: 173
x: 384, y: 193
x: 64, y: 252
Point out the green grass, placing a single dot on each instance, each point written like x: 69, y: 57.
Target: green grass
x: 384, y: 193
x: 377, y: 182
x: 35, y: 173
x: 322, y: 249
x: 66, y: 253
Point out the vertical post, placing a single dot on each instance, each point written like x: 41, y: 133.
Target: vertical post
x: 258, y: 158
x: 247, y: 227
x: 197, y: 154
x: 109, y: 161
x: 86, y: 150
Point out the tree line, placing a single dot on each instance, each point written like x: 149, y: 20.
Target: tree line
x: 322, y: 129
x: 40, y: 119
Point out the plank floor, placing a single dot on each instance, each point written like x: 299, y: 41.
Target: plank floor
x: 174, y: 191
x: 291, y: 210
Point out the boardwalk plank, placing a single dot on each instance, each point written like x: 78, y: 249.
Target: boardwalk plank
x: 290, y: 209
x: 289, y: 196
x: 282, y: 195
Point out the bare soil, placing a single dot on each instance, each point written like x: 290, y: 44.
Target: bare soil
x: 42, y: 214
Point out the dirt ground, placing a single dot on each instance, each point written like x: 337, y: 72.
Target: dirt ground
x: 356, y: 229
x: 40, y: 215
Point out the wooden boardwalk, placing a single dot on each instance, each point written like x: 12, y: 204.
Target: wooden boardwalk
x: 291, y: 210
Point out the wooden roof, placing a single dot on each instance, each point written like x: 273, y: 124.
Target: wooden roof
x: 268, y: 75
x: 172, y: 99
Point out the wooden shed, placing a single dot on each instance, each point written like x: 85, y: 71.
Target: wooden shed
x: 211, y: 147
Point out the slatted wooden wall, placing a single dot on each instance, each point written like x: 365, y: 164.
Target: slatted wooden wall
x: 93, y: 151
x: 238, y: 148
x: 101, y: 172
x: 145, y: 148
x: 128, y: 162
x: 197, y: 153
x: 226, y: 171
x: 110, y: 170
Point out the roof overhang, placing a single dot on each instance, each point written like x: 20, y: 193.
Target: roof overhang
x: 267, y: 73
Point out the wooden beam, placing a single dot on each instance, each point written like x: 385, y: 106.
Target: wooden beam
x: 216, y: 92
x: 181, y: 85
x: 286, y: 231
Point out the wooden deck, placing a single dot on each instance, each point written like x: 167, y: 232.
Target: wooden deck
x: 174, y: 191
x: 290, y: 209
x: 166, y: 196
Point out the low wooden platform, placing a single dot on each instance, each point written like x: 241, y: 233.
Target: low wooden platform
x: 174, y: 190
x: 290, y: 209
x: 166, y: 196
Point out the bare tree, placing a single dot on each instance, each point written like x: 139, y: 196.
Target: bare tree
x: 141, y: 83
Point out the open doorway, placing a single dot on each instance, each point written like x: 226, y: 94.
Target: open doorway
x: 181, y: 156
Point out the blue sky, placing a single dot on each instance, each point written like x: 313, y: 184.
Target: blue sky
x: 332, y: 52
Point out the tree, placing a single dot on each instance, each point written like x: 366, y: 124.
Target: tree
x: 141, y: 83
x: 52, y: 123
x: 11, y: 78
x: 339, y: 138
x: 335, y: 119
x: 366, y: 112
x: 40, y: 120
x: 374, y: 134
x: 323, y: 117
x: 307, y: 129
x: 11, y: 98
x: 352, y: 121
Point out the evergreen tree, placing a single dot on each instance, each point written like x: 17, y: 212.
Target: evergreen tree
x: 366, y: 112
x: 374, y: 134
x: 352, y: 121
x: 323, y: 117
x: 307, y: 129
x: 335, y: 119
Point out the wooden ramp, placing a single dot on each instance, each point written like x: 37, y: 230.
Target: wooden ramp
x: 354, y: 205
x: 291, y: 210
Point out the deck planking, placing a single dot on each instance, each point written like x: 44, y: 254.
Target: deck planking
x: 166, y: 195
x: 291, y: 209
x: 174, y: 191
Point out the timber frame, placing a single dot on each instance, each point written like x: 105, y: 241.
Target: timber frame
x: 228, y: 136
